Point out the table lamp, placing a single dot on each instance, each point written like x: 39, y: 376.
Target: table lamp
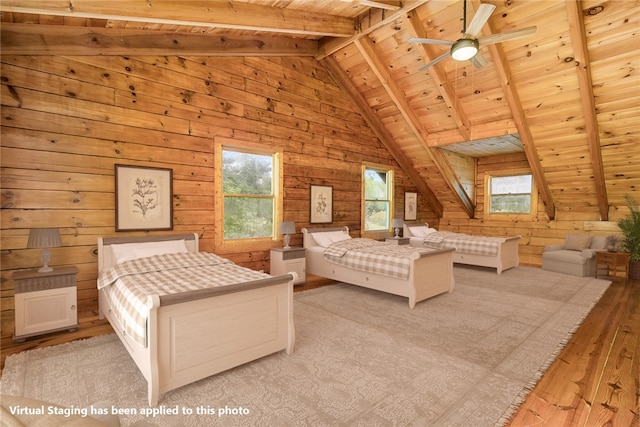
x: 286, y: 228
x: 397, y: 223
x: 44, y: 238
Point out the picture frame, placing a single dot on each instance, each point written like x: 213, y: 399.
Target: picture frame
x: 410, y: 206
x: 321, y: 206
x: 144, y: 198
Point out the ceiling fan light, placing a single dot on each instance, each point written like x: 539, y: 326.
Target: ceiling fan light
x: 464, y: 49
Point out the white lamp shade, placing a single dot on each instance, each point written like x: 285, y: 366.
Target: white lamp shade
x: 44, y: 238
x: 396, y: 223
x: 287, y: 227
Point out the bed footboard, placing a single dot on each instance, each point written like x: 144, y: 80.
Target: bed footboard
x: 202, y: 337
x: 198, y: 334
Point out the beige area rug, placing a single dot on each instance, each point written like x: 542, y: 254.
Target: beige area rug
x: 362, y: 358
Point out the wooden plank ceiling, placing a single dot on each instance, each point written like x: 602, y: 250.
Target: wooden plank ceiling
x: 566, y: 96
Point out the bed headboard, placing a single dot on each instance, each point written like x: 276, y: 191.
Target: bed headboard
x: 308, y: 241
x: 105, y: 255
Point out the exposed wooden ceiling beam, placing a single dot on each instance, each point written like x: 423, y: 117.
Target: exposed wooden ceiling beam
x: 30, y: 39
x: 440, y: 78
x: 389, y: 5
x: 366, y: 48
x: 343, y: 81
x: 367, y: 23
x: 480, y: 131
x: 501, y: 65
x: 213, y: 14
x: 581, y: 56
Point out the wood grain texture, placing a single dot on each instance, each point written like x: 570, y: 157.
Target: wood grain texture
x: 71, y: 119
x: 594, y: 380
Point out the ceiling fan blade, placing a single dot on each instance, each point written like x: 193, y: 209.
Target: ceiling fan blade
x: 430, y: 41
x: 503, y: 37
x: 435, y: 61
x: 479, y: 61
x: 479, y: 19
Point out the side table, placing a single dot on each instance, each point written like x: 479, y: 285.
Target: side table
x: 45, y: 302
x: 283, y: 261
x: 609, y: 264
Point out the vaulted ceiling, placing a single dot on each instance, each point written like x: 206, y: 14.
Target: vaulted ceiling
x: 567, y: 96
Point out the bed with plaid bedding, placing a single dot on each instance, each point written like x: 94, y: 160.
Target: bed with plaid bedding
x: 500, y: 253
x: 479, y: 245
x: 129, y: 283
x: 374, y: 257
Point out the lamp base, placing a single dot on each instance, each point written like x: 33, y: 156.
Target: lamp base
x: 287, y: 239
x: 45, y: 257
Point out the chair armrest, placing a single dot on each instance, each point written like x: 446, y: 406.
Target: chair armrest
x: 551, y: 248
x: 589, y: 253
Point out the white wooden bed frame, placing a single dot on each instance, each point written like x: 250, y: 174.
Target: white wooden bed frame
x: 507, y: 256
x: 194, y: 335
x: 431, y: 274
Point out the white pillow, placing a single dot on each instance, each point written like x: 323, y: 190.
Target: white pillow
x: 429, y: 231
x: 324, y: 239
x: 421, y: 231
x: 127, y: 251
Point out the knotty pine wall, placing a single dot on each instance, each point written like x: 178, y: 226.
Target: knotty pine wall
x: 536, y: 231
x: 67, y: 120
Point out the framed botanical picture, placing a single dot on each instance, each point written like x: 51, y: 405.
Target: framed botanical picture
x: 410, y: 206
x: 143, y: 198
x: 321, y: 204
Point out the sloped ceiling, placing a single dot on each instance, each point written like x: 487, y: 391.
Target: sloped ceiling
x: 567, y: 96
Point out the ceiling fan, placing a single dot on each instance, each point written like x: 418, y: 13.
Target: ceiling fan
x: 467, y: 47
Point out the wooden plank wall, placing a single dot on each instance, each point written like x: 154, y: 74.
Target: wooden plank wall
x: 536, y: 231
x: 67, y: 120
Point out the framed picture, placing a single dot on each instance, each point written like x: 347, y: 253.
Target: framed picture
x: 321, y: 204
x: 410, y: 206
x: 143, y: 198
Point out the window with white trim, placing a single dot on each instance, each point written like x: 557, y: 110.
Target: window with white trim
x: 511, y: 194
x: 377, y: 184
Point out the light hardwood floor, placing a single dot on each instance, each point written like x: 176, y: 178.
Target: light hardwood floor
x: 595, y: 381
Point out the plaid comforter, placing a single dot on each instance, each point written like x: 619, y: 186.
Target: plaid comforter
x: 372, y: 256
x: 132, y: 281
x: 479, y: 245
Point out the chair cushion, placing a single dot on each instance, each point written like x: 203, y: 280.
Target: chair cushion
x: 599, y: 242
x: 577, y: 242
x: 568, y: 256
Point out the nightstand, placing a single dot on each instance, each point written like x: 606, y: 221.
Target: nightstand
x: 45, y: 302
x: 397, y: 241
x: 612, y: 263
x: 285, y: 260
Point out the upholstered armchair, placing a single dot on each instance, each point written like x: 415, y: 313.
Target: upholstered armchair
x: 576, y: 256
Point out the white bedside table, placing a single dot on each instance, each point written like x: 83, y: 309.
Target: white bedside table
x: 285, y: 260
x: 45, y: 302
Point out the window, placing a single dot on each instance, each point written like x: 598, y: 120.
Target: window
x: 248, y: 208
x: 511, y: 194
x: 378, y: 198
